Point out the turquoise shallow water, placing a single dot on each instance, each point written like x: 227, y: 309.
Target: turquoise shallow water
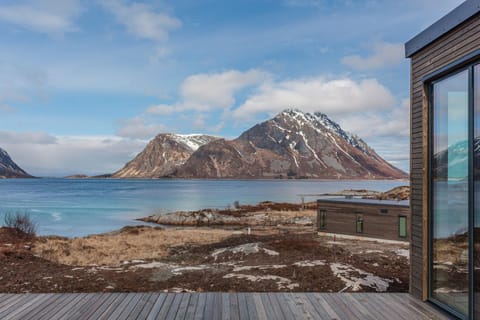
x: 81, y: 207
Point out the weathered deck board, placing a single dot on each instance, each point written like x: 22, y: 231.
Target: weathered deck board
x: 216, y: 306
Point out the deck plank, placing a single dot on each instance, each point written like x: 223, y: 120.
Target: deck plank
x: 163, y: 311
x: 34, y: 307
x: 16, y: 306
x: 233, y: 306
x: 172, y: 312
x: 242, y: 305
x: 48, y: 305
x: 130, y: 306
x: 192, y: 305
x: 200, y: 307
x: 88, y: 305
x: 66, y: 307
x: 94, y: 308
x: 182, y: 309
x: 74, y: 311
x: 234, y: 310
x: 145, y: 297
x: 157, y: 306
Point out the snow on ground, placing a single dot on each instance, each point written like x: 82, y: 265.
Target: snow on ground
x: 248, y: 248
x: 282, y: 283
x: 260, y: 267
x: 356, y: 278
x: 309, y: 263
x: 403, y: 253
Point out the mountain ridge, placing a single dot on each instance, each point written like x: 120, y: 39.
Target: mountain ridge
x: 293, y: 144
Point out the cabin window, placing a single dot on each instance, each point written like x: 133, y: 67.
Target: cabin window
x: 322, y: 224
x: 402, y: 226
x: 383, y: 211
x: 359, y: 224
x: 450, y: 155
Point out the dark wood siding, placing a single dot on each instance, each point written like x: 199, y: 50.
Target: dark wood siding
x: 452, y: 46
x: 341, y: 218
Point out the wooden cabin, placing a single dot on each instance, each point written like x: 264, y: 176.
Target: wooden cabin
x: 378, y: 219
x: 445, y: 162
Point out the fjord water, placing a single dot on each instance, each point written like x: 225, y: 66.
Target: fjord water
x: 80, y: 207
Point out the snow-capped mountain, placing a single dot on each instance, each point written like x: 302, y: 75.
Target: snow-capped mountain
x: 293, y: 144
x: 9, y: 169
x: 163, y: 155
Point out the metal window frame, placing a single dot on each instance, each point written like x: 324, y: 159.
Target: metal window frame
x: 466, y: 63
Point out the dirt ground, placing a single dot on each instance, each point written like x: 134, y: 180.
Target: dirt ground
x: 200, y: 259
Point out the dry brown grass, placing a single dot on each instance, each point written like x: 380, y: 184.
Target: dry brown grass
x: 111, y: 249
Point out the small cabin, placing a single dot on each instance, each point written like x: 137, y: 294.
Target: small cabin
x: 445, y: 162
x: 380, y: 219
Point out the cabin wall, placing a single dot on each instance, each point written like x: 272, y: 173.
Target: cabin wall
x: 457, y: 43
x: 341, y: 218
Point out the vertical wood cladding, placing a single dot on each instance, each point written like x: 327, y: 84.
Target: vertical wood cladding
x: 457, y: 43
x: 377, y: 220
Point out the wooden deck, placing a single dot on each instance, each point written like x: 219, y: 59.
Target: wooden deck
x: 215, y: 306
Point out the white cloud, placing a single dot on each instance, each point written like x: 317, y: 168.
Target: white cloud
x: 384, y: 54
x: 217, y: 90
x: 138, y: 128
x: 45, y: 16
x: 9, y: 137
x: 370, y: 124
x: 73, y: 154
x: 206, y: 92
x: 141, y: 20
x: 333, y: 97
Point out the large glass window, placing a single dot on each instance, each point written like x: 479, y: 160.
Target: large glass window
x: 450, y: 192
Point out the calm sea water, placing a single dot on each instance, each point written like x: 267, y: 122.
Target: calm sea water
x: 81, y: 207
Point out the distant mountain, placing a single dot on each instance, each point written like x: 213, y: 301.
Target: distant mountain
x: 291, y: 145
x: 9, y: 169
x: 163, y: 155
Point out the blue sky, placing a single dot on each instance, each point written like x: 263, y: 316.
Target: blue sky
x: 85, y: 84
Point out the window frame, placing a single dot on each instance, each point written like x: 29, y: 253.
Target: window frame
x: 466, y: 63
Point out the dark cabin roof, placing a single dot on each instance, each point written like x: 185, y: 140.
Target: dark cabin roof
x: 385, y: 203
x: 457, y: 16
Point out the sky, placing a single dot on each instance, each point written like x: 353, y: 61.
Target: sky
x: 85, y: 84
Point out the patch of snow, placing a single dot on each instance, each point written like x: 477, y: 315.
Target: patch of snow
x: 152, y: 265
x: 178, y: 290
x: 133, y: 261
x: 282, y: 283
x: 192, y: 141
x: 372, y: 251
x: 248, y: 248
x: 309, y: 263
x: 349, y: 275
x: 260, y: 267
x: 403, y: 253
x: 179, y: 270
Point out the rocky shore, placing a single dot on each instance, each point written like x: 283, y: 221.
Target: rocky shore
x: 263, y: 214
